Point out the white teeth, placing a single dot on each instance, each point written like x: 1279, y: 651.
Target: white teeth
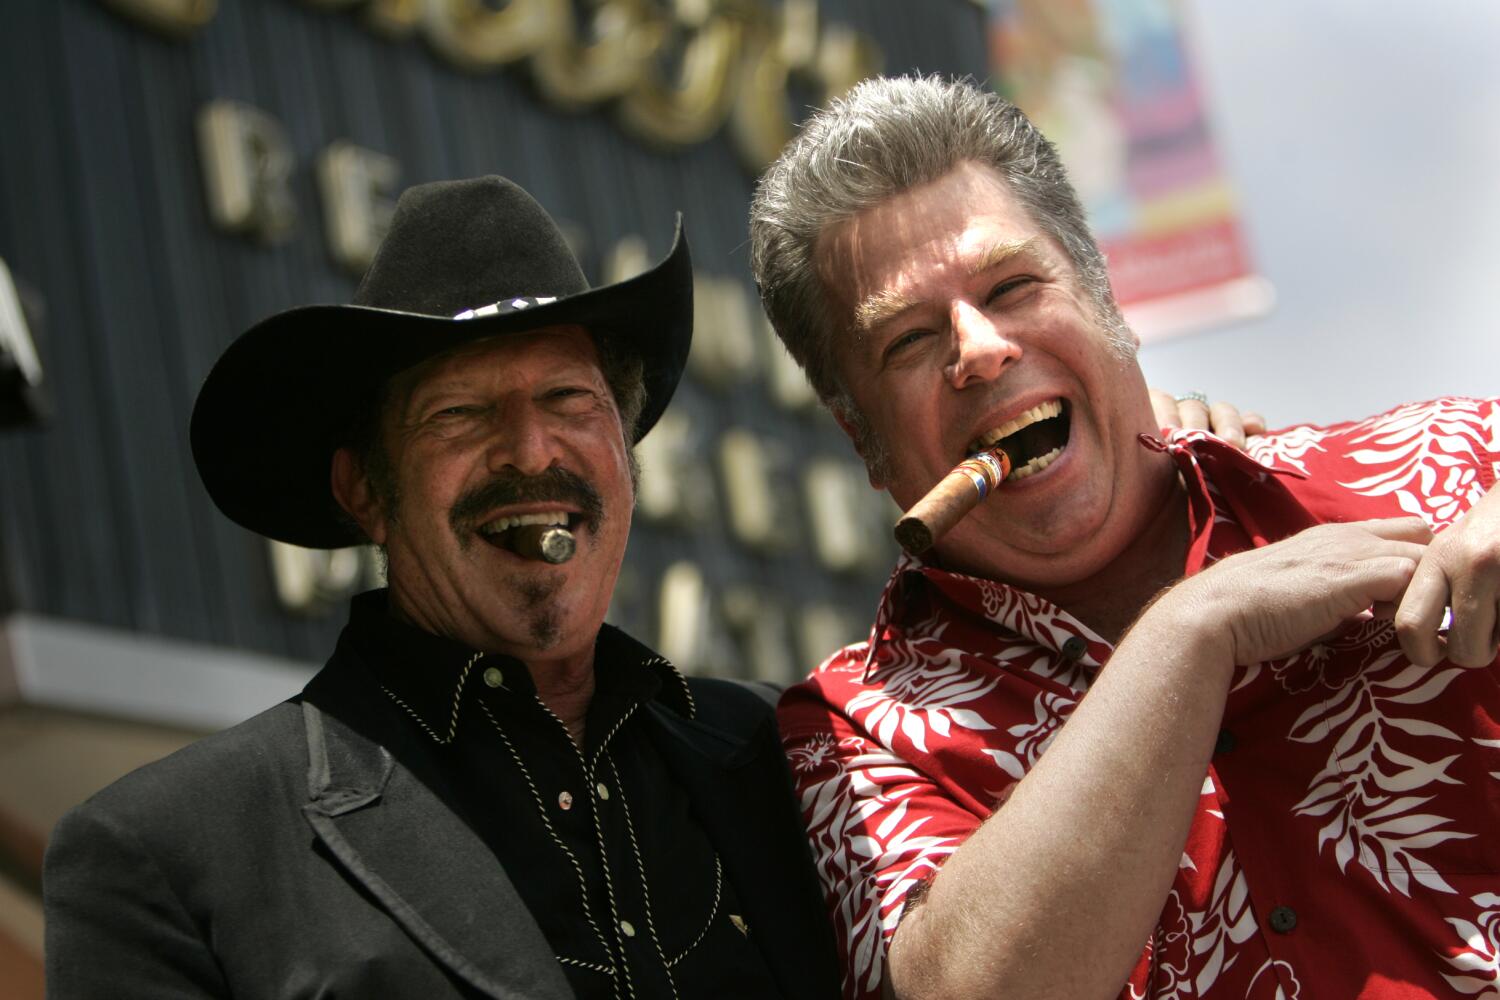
x: 1036, y: 465
x: 1041, y: 411
x: 516, y: 520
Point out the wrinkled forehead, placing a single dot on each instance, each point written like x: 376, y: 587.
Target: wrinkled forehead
x: 894, y: 253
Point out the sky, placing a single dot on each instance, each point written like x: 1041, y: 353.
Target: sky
x: 1364, y: 141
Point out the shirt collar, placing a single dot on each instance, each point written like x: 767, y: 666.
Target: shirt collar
x: 1249, y: 489
x: 431, y: 675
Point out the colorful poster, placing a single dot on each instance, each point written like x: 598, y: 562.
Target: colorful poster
x: 1112, y: 83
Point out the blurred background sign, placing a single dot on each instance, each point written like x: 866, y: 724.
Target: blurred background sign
x: 1112, y: 83
x: 21, y: 401
x: 174, y: 171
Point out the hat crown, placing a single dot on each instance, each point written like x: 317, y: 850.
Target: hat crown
x: 460, y: 245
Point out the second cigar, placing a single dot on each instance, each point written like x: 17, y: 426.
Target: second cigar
x: 957, y: 493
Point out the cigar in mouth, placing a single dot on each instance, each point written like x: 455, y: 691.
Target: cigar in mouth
x: 547, y: 542
x: 957, y: 493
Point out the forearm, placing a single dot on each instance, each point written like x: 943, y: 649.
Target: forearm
x: 1080, y: 858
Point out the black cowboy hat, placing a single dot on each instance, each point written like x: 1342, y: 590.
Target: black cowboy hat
x: 463, y: 260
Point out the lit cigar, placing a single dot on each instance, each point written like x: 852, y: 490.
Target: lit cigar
x: 957, y: 493
x: 546, y: 542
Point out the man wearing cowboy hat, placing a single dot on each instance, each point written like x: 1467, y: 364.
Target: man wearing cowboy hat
x: 486, y: 791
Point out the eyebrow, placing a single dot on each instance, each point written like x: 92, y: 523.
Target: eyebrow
x: 883, y: 306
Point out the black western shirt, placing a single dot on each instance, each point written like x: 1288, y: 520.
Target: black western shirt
x: 600, y: 841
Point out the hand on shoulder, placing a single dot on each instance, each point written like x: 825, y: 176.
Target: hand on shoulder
x: 1222, y: 419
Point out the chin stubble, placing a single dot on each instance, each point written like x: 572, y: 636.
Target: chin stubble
x: 543, y: 619
x: 537, y: 590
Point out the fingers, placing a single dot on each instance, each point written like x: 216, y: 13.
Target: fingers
x: 1384, y: 570
x: 1276, y: 599
x: 1227, y: 423
x: 1385, y: 578
x: 1471, y: 638
x: 1451, y: 574
x: 1364, y: 563
x: 1399, y: 529
x: 1193, y: 414
x: 1222, y: 419
x: 1420, y: 614
x: 1164, y: 408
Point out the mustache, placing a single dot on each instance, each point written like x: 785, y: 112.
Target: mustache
x: 556, y: 484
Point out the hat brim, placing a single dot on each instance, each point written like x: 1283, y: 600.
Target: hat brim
x: 284, y: 395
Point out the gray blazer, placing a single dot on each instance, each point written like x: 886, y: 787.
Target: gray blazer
x: 303, y: 853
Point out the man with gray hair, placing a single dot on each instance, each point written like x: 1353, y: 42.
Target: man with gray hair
x: 1285, y: 783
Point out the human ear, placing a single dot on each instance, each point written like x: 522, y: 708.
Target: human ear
x: 351, y: 488
x: 857, y: 438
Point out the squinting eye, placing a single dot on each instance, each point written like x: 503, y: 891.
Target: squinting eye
x: 454, y: 412
x: 1008, y: 285
x: 904, y: 341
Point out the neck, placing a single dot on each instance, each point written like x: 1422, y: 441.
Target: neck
x: 566, y: 687
x: 1110, y: 600
x: 564, y: 683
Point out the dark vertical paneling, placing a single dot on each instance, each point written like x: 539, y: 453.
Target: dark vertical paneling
x: 75, y: 568
x: 102, y: 517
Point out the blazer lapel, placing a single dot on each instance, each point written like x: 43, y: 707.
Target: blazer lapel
x: 422, y: 863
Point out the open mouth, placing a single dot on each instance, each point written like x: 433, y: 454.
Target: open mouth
x: 1033, y: 439
x: 502, y: 531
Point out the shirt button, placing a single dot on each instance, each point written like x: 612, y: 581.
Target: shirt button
x: 1283, y: 919
x: 494, y: 677
x: 1074, y: 647
x: 601, y: 790
x: 565, y: 800
x: 627, y: 928
x: 1226, y: 742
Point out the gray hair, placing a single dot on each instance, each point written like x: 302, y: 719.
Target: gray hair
x: 883, y: 137
x: 625, y: 373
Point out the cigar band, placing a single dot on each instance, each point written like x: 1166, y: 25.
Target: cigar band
x: 984, y: 471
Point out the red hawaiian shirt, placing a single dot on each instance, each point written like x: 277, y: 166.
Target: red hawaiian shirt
x: 1347, y: 842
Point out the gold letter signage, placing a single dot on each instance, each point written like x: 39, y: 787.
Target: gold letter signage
x: 474, y: 36
x: 247, y: 161
x: 675, y: 70
x: 358, y: 186
x: 175, y: 17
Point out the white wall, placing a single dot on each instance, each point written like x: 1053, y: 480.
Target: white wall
x: 1364, y: 139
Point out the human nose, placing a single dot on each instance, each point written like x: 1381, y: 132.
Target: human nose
x: 981, y: 349
x: 521, y: 440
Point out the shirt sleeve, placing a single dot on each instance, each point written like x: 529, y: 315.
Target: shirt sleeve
x: 878, y: 827
x: 115, y: 927
x: 1432, y: 459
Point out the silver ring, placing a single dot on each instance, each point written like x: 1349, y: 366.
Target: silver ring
x: 1196, y: 397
